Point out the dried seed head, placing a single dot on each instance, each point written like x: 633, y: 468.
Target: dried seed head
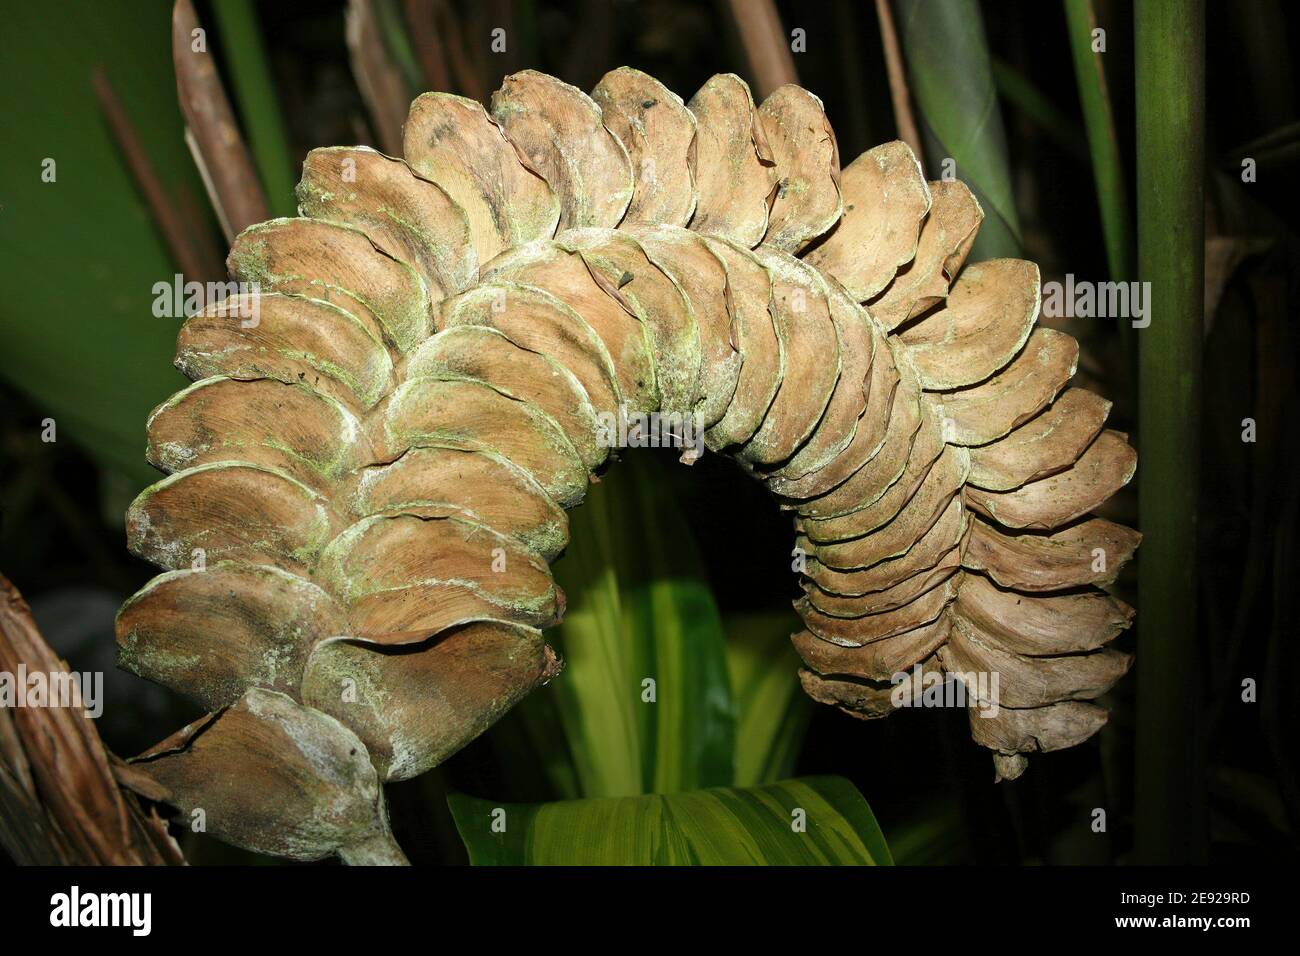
x: 368, y: 481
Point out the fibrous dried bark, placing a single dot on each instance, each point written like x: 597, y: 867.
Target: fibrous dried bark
x: 61, y: 802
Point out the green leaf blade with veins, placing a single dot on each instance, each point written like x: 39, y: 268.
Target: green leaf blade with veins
x: 772, y: 712
x: 639, y: 603
x: 597, y: 701
x: 640, y: 608
x: 951, y: 73
x: 814, y: 821
x: 672, y: 618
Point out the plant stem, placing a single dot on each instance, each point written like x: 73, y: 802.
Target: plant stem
x: 214, y: 138
x: 397, y: 40
x: 904, y: 121
x: 1170, y: 60
x: 767, y: 46
x: 177, y: 233
x: 380, y: 81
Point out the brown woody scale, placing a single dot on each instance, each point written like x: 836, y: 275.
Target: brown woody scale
x: 418, y: 402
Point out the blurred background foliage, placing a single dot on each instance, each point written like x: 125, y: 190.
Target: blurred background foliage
x: 684, y: 573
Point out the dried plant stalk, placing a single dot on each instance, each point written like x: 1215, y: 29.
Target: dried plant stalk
x: 210, y: 129
x: 374, y: 474
x: 60, y: 798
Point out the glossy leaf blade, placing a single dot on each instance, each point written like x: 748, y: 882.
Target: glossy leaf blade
x: 721, y: 827
x: 772, y: 711
x: 951, y: 74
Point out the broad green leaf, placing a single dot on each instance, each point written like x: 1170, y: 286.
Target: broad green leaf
x: 810, y: 821
x: 639, y: 608
x: 951, y: 78
x: 597, y: 695
x: 772, y: 710
x: 81, y: 253
x: 674, y: 626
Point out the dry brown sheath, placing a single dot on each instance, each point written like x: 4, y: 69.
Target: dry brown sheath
x: 63, y: 799
x: 368, y: 482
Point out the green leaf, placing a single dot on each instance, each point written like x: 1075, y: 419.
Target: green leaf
x: 79, y: 333
x: 1023, y: 95
x: 951, y: 76
x: 735, y: 827
x: 596, y: 697
x: 639, y: 607
x: 772, y: 710
x: 397, y: 41
x: 1103, y: 140
x: 673, y: 624
x: 533, y: 742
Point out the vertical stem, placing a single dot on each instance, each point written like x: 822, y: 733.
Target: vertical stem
x: 380, y: 81
x: 428, y: 44
x: 468, y: 81
x: 767, y: 45
x: 897, y: 73
x: 396, y: 35
x: 177, y: 232
x: 1170, y: 811
x: 213, y: 136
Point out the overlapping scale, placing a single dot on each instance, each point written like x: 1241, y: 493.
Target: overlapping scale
x: 658, y: 132
x: 561, y: 134
x: 735, y: 172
